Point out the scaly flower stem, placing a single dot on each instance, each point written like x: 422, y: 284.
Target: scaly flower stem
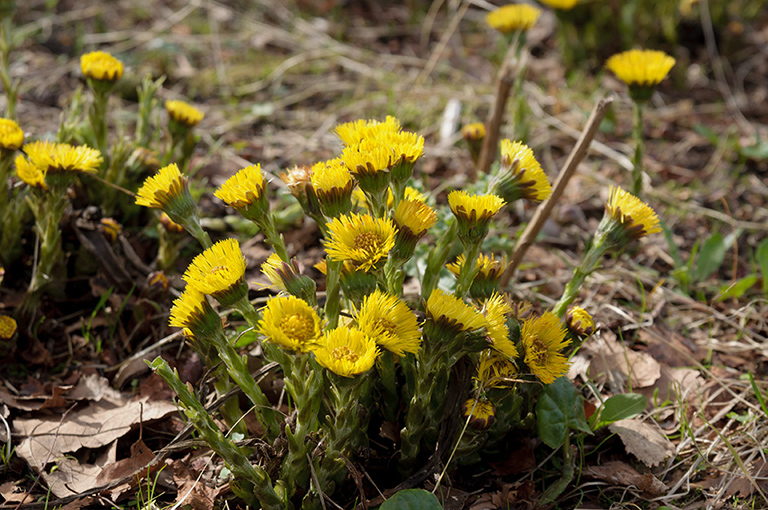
x: 230, y: 410
x: 267, y: 225
x: 258, y: 490
x: 332, y: 292
x: 468, y: 270
x: 192, y: 225
x: 48, y: 212
x: 246, y: 309
x: 6, y: 45
x: 637, y: 160
x: 588, y: 264
x: 97, y: 114
x: 436, y: 260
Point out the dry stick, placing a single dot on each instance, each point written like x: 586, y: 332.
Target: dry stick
x: 545, y: 209
x: 504, y: 83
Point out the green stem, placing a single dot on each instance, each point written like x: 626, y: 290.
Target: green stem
x: 468, y: 270
x: 637, y: 160
x: 48, y: 213
x: 6, y: 45
x: 436, y: 260
x: 192, y: 225
x: 332, y: 292
x: 230, y: 410
x: 269, y: 229
x: 98, y: 118
x: 586, y: 266
x: 557, y: 488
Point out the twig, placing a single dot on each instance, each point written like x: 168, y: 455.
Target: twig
x: 545, y: 209
x: 506, y: 80
x: 453, y: 25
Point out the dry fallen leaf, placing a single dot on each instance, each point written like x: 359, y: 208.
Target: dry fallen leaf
x: 643, y: 440
x: 621, y: 473
x: 70, y: 477
x: 615, y: 363
x: 675, y: 384
x: 13, y: 493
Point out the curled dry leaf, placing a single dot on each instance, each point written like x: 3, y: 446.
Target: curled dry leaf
x: 621, y: 473
x: 643, y: 440
x: 615, y: 363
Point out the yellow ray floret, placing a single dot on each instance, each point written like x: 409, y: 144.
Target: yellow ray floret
x: 244, y: 188
x: 11, y: 135
x: 474, y: 207
x: 331, y: 175
x: 360, y: 238
x: 637, y: 217
x: 291, y: 323
x: 62, y: 157
x: 511, y: 18
x: 217, y: 269
x: 496, y: 310
x: 30, y: 173
x: 162, y: 187
x: 480, y: 413
x: 102, y: 66
x: 451, y: 313
x: 189, y: 310
x: 543, y: 338
x: 494, y: 370
x: 644, y: 68
x: 352, y: 133
x: 530, y: 176
x: 389, y: 321
x: 415, y: 216
x: 347, y: 352
x: 184, y: 113
x: 565, y: 5
x: 7, y: 327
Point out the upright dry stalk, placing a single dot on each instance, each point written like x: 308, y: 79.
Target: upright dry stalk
x: 504, y: 84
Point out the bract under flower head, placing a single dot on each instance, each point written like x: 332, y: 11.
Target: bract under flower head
x: 496, y: 310
x: 346, y: 352
x: 164, y: 190
x: 389, y: 321
x: 11, y: 135
x: 291, y: 323
x: 245, y: 192
x: 642, y: 68
x: 514, y: 17
x: 564, y: 5
x: 7, y: 327
x: 30, y: 173
x: 448, y: 316
x: 183, y: 113
x: 360, y: 238
x: 218, y: 272
x: 53, y: 157
x: 636, y: 217
x: 520, y: 175
x: 102, y: 66
x: 480, y: 412
x: 543, y: 338
x: 191, y: 310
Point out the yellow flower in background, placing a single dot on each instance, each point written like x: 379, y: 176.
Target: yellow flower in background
x: 11, y: 135
x: 62, y: 157
x: 543, y: 338
x: 161, y: 189
x: 352, y: 133
x: 448, y: 315
x: 245, y: 192
x: 520, y: 175
x: 389, y: 321
x: 30, y: 173
x: 636, y: 217
x: 7, y: 327
x: 514, y: 17
x: 346, y: 352
x: 102, y: 66
x: 642, y: 68
x: 218, y: 269
x: 494, y: 370
x: 565, y: 5
x: 579, y: 322
x: 360, y: 238
x: 192, y: 311
x: 291, y: 323
x: 183, y: 113
x: 496, y: 310
x: 474, y: 131
x: 474, y: 208
x: 480, y: 412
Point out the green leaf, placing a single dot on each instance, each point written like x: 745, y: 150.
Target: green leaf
x: 711, y: 256
x: 559, y: 410
x: 412, y: 499
x: 618, y: 407
x: 762, y: 260
x: 737, y: 289
x: 758, y: 151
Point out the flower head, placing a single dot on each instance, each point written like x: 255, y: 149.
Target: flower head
x: 191, y: 310
x: 520, y: 175
x: 413, y: 219
x: 389, y: 321
x: 167, y: 190
x: 333, y: 185
x: 53, y: 157
x: 245, y: 192
x: 369, y: 162
x: 496, y: 310
x: 495, y: 370
x: 360, y: 238
x: 101, y: 66
x: 642, y: 70
x: 30, y: 173
x: 110, y: 228
x: 489, y: 271
x: 474, y: 214
x: 473, y: 131
x: 579, y: 322
x: 299, y: 181
x: 346, y: 352
x: 631, y: 217
x: 183, y: 113
x: 480, y: 412
x: 219, y: 272
x: 291, y: 323
x: 287, y: 277
x: 513, y: 18
x: 11, y: 135
x: 447, y: 316
x: 352, y: 133
x: 7, y: 327
x: 543, y: 338
x: 564, y: 5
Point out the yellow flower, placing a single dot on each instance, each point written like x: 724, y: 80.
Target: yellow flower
x: 245, y: 192
x: 62, y: 157
x: 389, y: 321
x: 473, y: 131
x: 481, y: 413
x: 110, y: 228
x: 273, y: 268
x: 579, y: 322
x: 514, y: 17
x: 637, y: 219
x: 102, y: 66
x: 30, y: 173
x: 352, y: 133
x: 218, y: 272
x: 412, y: 219
x: 448, y: 315
x: 520, y: 175
x: 496, y: 310
x: 346, y: 352
x: 543, y: 338
x: 183, y: 113
x: 11, y: 135
x: 565, y: 5
x: 474, y: 214
x: 191, y: 310
x: 291, y: 323
x: 333, y: 185
x: 7, y: 327
x: 169, y: 225
x: 643, y: 68
x: 494, y: 370
x: 360, y: 238
x: 488, y: 268
x: 369, y: 162
x: 163, y: 188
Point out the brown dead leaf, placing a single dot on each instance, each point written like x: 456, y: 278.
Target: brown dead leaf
x: 670, y: 347
x: 613, y: 362
x: 621, y: 473
x: 190, y: 490
x: 71, y: 477
x: 96, y: 425
x: 141, y: 457
x: 643, y: 440
x: 13, y: 493
x: 94, y: 387
x: 675, y: 384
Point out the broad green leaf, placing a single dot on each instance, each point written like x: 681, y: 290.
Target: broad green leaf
x: 736, y: 290
x: 559, y: 410
x: 412, y: 499
x: 762, y: 260
x: 618, y: 407
x: 711, y: 255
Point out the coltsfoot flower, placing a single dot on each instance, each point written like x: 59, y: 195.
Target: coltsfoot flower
x: 30, y: 173
x: 543, y: 338
x: 579, y: 322
x: 474, y: 131
x: 447, y: 316
x: 474, y: 214
x: 413, y: 219
x: 346, y: 352
x: 352, y: 133
x: 563, y: 5
x: 11, y: 135
x: 333, y: 185
x: 489, y: 271
x: 513, y: 18
x: 110, y: 228
x: 192, y: 311
x: 101, y: 66
x: 7, y: 327
x: 520, y: 175
x: 219, y: 272
x: 496, y: 310
x: 494, y: 370
x: 389, y: 321
x: 641, y: 70
x: 287, y: 277
x: 245, y: 192
x: 183, y: 113
x: 291, y: 323
x: 481, y: 413
x: 52, y: 157
x: 628, y: 217
x: 360, y: 238
x: 167, y: 190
